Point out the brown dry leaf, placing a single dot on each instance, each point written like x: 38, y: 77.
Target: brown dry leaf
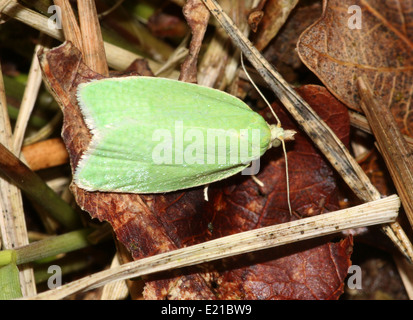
x: 276, y: 13
x: 153, y: 224
x: 382, y: 50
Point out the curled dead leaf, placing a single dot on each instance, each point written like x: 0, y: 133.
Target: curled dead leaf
x: 381, y: 48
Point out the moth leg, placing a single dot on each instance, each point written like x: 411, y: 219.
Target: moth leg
x: 257, y: 181
x: 206, y: 192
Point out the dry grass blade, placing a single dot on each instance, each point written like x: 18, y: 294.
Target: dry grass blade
x: 31, y: 91
x: 93, y: 48
x: 322, y: 136
x: 219, y: 64
x: 360, y: 122
x: 45, y: 132
x: 13, y: 231
x: 69, y: 24
x: 36, y: 189
x: 372, y: 213
x: 15, y: 10
x: 395, y: 150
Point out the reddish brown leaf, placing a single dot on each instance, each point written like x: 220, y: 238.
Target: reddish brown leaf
x: 290, y: 272
x: 311, y: 273
x: 382, y: 50
x: 312, y: 181
x: 184, y: 215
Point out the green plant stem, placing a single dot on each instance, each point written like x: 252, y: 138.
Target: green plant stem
x: 36, y: 189
x: 52, y: 246
x: 67, y: 266
x: 7, y: 256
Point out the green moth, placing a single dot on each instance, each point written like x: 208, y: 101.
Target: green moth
x: 153, y: 135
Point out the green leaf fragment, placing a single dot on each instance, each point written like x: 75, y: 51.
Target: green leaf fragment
x: 9, y: 282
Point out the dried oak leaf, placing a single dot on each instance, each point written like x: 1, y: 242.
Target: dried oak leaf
x: 381, y: 50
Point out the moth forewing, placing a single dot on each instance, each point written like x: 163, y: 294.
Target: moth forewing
x: 153, y: 135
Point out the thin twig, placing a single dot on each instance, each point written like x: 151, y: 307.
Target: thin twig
x: 110, y: 10
x: 70, y: 27
x: 46, y: 131
x: 31, y: 91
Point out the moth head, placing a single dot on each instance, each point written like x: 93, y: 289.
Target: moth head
x: 278, y: 134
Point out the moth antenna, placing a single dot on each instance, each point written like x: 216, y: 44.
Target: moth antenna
x: 280, y: 138
x: 258, y: 90
x: 287, y: 178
